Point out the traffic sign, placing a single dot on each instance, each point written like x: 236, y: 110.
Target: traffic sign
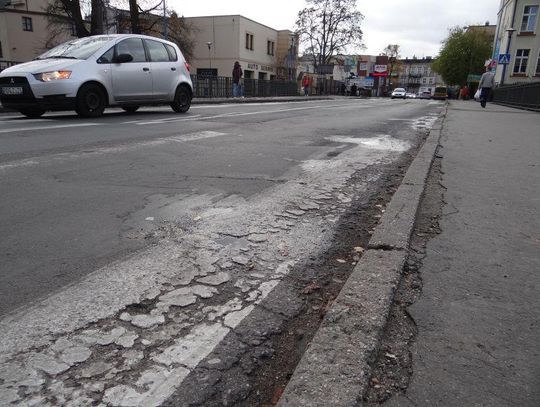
x: 504, y: 58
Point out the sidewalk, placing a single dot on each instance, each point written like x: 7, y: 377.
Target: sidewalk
x: 478, y: 317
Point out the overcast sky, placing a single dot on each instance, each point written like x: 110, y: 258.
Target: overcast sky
x: 418, y: 26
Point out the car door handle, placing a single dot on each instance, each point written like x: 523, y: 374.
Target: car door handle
x: 173, y: 69
x: 146, y: 69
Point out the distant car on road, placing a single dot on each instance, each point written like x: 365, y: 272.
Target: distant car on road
x: 441, y: 93
x: 89, y: 74
x: 409, y: 95
x: 425, y: 95
x: 398, y: 93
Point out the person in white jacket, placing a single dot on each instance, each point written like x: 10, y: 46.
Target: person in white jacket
x: 487, y: 82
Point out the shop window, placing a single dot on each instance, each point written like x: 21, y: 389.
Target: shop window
x: 528, y: 22
x: 522, y: 57
x: 27, y: 24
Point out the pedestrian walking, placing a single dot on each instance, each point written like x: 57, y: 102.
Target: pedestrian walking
x: 237, y: 80
x: 487, y: 81
x: 464, y: 93
x: 305, y: 85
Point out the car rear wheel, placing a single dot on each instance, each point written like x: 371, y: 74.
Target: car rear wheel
x: 32, y: 112
x: 130, y: 109
x: 182, y: 100
x: 90, y: 101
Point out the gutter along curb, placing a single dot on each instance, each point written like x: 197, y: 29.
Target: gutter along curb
x: 336, y: 368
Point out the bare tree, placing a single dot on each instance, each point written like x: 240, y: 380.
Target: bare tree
x: 392, y: 52
x: 327, y: 27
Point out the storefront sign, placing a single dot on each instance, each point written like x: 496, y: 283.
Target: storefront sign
x: 380, y: 70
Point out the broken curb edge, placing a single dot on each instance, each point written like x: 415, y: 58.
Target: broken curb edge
x: 336, y: 368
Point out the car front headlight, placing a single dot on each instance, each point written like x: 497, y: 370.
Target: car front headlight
x: 52, y: 76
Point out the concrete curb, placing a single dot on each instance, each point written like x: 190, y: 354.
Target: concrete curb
x: 336, y: 368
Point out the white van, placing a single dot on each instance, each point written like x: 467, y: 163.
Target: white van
x: 91, y: 73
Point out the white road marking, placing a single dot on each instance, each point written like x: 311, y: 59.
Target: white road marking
x: 58, y: 126
x: 111, y: 150
x: 218, y: 116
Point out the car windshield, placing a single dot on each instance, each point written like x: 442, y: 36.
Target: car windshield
x: 399, y: 90
x: 80, y: 48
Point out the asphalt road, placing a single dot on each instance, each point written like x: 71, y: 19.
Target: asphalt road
x: 140, y: 252
x: 78, y: 194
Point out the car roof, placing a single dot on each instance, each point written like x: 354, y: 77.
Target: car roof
x: 122, y: 36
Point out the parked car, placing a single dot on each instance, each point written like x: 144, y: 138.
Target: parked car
x: 425, y: 95
x: 409, y: 95
x: 92, y: 73
x: 398, y: 93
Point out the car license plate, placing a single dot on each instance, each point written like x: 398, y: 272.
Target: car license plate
x: 12, y: 90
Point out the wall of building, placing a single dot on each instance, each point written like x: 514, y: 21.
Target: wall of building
x: 259, y: 64
x: 17, y: 44
x: 519, y: 40
x: 228, y: 37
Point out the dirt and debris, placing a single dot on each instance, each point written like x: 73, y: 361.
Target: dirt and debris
x: 393, y: 368
x: 319, y: 283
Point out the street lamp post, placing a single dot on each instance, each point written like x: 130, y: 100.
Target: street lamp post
x: 510, y: 31
x: 209, y: 43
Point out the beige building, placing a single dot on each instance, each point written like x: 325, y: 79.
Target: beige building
x: 263, y: 52
x: 24, y: 31
x: 518, y: 34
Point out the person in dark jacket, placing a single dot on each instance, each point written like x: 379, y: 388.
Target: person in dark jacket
x: 487, y: 82
x: 237, y: 80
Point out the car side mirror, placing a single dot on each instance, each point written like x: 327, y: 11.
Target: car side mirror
x: 123, y: 58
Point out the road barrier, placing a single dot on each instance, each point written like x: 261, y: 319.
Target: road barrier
x: 524, y: 96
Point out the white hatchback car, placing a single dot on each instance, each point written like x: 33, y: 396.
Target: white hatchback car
x: 91, y: 73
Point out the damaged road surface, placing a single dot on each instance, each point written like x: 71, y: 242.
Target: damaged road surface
x: 164, y: 260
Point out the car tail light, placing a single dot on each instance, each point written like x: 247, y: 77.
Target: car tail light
x: 187, y: 66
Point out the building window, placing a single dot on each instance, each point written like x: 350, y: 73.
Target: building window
x: 249, y: 41
x: 522, y: 56
x: 537, y: 62
x: 1, y: 54
x: 528, y: 23
x: 270, y: 47
x: 27, y: 24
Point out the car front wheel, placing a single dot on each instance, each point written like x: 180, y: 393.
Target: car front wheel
x: 182, y: 100
x: 90, y: 101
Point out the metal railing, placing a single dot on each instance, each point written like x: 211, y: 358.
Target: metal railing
x: 7, y: 64
x: 524, y: 96
x: 221, y: 87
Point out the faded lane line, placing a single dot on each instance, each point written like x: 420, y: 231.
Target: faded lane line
x: 110, y: 150
x: 59, y: 126
x: 242, y: 114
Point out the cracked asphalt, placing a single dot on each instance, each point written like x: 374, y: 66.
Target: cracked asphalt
x: 215, y: 234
